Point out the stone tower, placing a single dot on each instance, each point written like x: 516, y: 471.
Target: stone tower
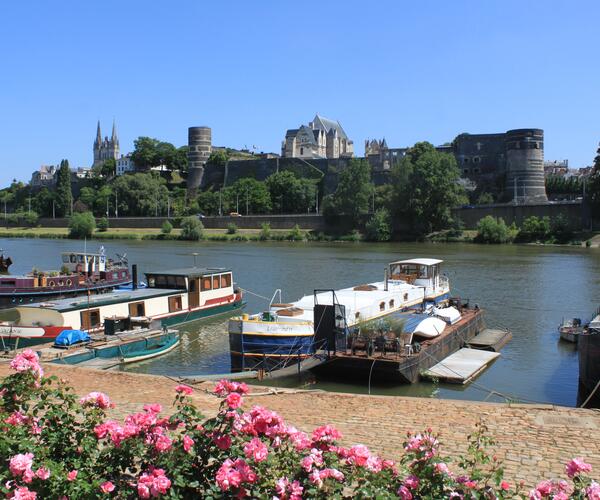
x: 525, y: 165
x: 199, y: 149
x: 107, y: 148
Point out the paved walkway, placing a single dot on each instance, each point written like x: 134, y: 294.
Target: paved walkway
x: 535, y: 441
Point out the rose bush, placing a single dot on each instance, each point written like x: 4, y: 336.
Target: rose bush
x: 55, y: 445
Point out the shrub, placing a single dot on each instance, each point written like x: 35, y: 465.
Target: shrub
x: 191, y: 229
x: 232, y: 228
x: 534, y: 229
x: 485, y: 199
x: 295, y: 234
x: 102, y: 224
x: 30, y: 218
x: 265, y: 231
x: 378, y: 228
x: 492, y: 230
x: 560, y: 229
x: 354, y: 236
x: 82, y: 225
x: 166, y: 228
x: 57, y: 445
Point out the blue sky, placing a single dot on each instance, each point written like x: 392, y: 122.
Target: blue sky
x: 408, y: 71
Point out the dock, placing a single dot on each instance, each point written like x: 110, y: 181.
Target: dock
x: 462, y: 366
x: 490, y: 340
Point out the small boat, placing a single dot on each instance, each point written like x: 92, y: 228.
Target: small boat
x: 152, y: 351
x: 288, y: 332
x: 172, y: 297
x: 5, y: 263
x: 81, y: 273
x: 570, y: 329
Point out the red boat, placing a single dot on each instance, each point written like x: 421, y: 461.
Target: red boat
x: 81, y: 273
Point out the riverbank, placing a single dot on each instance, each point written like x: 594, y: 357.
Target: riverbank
x: 534, y: 441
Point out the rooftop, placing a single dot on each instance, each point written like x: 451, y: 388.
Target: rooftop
x: 421, y: 262
x: 189, y: 272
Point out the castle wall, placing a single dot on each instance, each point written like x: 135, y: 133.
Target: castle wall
x: 525, y: 165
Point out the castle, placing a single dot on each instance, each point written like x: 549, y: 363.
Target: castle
x: 321, y: 138
x: 105, y: 149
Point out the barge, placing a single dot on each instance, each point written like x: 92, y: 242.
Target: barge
x: 81, y: 273
x: 588, y: 393
x: 172, y: 297
x: 286, y: 332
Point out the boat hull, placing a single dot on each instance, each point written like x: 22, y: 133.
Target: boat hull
x: 589, y: 370
x: 194, y: 315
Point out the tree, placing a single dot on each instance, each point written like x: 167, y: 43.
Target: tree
x: 218, y: 158
x: 191, y: 229
x: 426, y: 188
x: 42, y: 202
x: 145, y: 153
x: 594, y: 185
x: 102, y: 224
x: 166, y: 228
x: 248, y: 191
x: 64, y: 195
x: 354, y: 190
x: 534, y: 229
x: 108, y: 168
x: 379, y: 226
x: 290, y: 194
x: 141, y: 194
x: 208, y: 202
x: 82, y: 225
x: 492, y: 230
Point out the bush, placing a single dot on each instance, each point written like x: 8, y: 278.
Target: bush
x: 265, y: 231
x: 560, y: 229
x: 191, y: 229
x: 354, y: 236
x: 82, y: 225
x: 57, y: 445
x: 492, y: 230
x: 485, y: 199
x: 295, y: 234
x: 232, y: 228
x: 102, y: 224
x: 378, y: 228
x: 29, y: 218
x: 534, y: 229
x: 166, y: 228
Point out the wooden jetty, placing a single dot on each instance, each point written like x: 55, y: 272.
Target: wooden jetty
x: 491, y: 340
x: 405, y: 364
x: 462, y: 366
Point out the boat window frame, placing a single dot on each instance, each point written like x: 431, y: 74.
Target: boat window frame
x: 226, y: 280
x: 216, y: 281
x: 203, y: 280
x: 175, y: 303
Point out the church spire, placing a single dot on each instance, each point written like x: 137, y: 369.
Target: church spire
x: 114, y: 132
x: 98, y: 134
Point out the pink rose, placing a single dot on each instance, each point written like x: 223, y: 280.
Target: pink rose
x: 188, y: 442
x: 20, y: 463
x: 72, y: 475
x: 185, y: 389
x: 153, y: 408
x: 42, y: 473
x: 23, y: 493
x: 441, y: 468
x: 411, y: 482
x: 107, y: 487
x: 576, y: 466
x: 404, y: 493
x: 234, y: 400
x: 97, y: 399
x: 256, y: 450
x: 163, y: 443
x: 505, y: 486
x: 223, y: 442
x: 593, y: 491
x: 25, y: 361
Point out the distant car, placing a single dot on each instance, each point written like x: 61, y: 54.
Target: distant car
x: 200, y: 216
x: 234, y: 214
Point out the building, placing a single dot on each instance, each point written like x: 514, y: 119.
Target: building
x: 45, y: 176
x: 105, y: 149
x: 507, y: 164
x: 125, y: 164
x: 321, y: 138
x: 199, y: 150
x: 81, y: 173
x: 556, y: 167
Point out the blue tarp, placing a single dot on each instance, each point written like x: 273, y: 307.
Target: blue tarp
x: 70, y: 337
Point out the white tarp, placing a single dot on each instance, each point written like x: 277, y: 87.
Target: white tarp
x: 449, y: 314
x: 595, y: 323
x: 430, y: 327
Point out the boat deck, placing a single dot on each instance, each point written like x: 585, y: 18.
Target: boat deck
x: 491, y: 340
x: 462, y: 366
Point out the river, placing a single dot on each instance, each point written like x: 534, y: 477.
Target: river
x: 527, y: 289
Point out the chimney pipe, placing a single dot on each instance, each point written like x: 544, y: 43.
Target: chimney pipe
x: 134, y: 277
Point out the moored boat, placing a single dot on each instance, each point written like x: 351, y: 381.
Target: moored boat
x: 588, y: 394
x: 286, y: 332
x: 570, y: 329
x: 81, y: 273
x: 172, y: 297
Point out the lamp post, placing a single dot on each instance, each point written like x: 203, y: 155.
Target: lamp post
x: 195, y: 254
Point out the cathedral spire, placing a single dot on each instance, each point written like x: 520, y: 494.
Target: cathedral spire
x: 114, y: 132
x: 98, y: 134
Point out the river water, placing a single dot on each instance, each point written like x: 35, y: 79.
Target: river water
x: 528, y: 289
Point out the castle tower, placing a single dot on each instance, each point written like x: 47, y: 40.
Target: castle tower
x: 525, y: 165
x: 199, y: 149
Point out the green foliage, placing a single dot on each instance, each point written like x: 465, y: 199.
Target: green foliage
x: 560, y: 229
x: 290, y: 194
x: 42, y: 202
x: 166, y: 228
x: 232, y: 228
x: 265, y: 231
x: 142, y: 194
x: 354, y: 191
x: 218, y: 158
x: 64, y: 195
x: 82, y: 225
x: 208, y: 202
x: 485, y: 199
x: 102, y: 224
x: 247, y: 193
x: 379, y: 226
x: 492, y: 230
x: 296, y: 234
x: 149, y: 152
x: 559, y: 185
x: 534, y: 229
x: 191, y: 229
x: 426, y: 188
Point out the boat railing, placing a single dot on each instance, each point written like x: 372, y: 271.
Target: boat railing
x: 275, y: 294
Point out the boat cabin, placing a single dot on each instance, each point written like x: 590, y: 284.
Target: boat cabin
x: 83, y: 262
x: 418, y: 272
x: 204, y: 286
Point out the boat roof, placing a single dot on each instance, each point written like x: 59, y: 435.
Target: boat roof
x: 190, y: 272
x: 103, y: 299
x: 422, y: 262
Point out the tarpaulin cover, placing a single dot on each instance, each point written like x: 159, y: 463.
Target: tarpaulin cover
x: 70, y: 337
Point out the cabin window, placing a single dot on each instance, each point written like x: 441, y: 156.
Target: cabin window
x: 206, y: 283
x: 225, y: 280
x: 152, y: 282
x: 123, y: 274
x: 161, y: 281
x: 356, y: 315
x: 392, y: 303
x: 115, y: 276
x: 175, y: 303
x: 216, y: 282
x: 405, y: 297
x: 9, y: 283
x: 65, y: 259
x: 180, y: 282
x: 171, y: 281
x: 90, y: 318
x: 73, y: 258
x: 382, y: 306
x: 137, y: 309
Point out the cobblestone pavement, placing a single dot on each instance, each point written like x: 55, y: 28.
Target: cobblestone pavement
x: 534, y: 441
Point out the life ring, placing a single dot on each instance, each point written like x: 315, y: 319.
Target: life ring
x: 61, y: 283
x: 51, y: 284
x: 79, y: 268
x: 69, y: 282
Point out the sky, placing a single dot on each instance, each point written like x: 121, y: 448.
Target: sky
x: 406, y: 71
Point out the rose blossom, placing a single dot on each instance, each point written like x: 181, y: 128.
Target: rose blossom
x: 576, y: 466
x: 223, y: 442
x: 232, y: 474
x: 20, y: 463
x: 72, y: 475
x: 188, y: 442
x: 256, y: 450
x: 27, y: 360
x: 404, y: 493
x: 23, y: 493
x: 441, y: 468
x: 234, y: 400
x: 42, y: 473
x: 412, y: 482
x: 107, y: 487
x: 593, y: 491
x: 185, y: 389
x: 98, y: 399
x: 225, y: 387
